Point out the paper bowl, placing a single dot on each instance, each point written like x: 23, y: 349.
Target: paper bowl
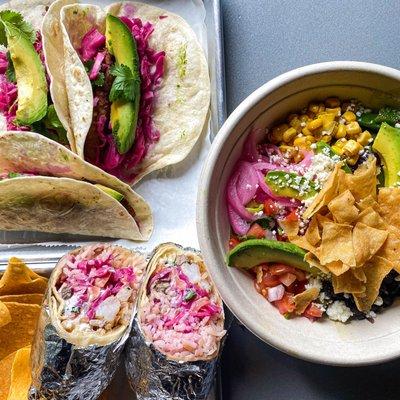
x: 356, y: 343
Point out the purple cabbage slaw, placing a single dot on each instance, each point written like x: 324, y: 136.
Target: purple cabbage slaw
x: 191, y: 303
x: 9, y: 90
x: 247, y: 181
x: 92, y: 281
x: 151, y: 71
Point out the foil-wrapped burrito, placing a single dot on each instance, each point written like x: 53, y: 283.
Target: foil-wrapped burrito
x: 174, y: 346
x: 85, y: 321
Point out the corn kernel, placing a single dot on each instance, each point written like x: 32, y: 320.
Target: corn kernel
x: 349, y: 116
x: 338, y: 150
x: 335, y: 111
x: 292, y: 116
x: 326, y: 138
x: 313, y: 107
x: 276, y: 135
x: 305, y: 131
x: 303, y: 118
x: 314, y: 124
x: 310, y: 139
x: 289, y: 151
x: 341, y: 132
x: 289, y: 135
x: 326, y: 119
x: 298, y: 157
x: 353, y: 128
x: 352, y: 160
x: 352, y: 148
x: 330, y: 128
x: 296, y: 124
x: 364, y: 138
x: 332, y: 102
x: 321, y: 108
x: 300, y: 142
x: 340, y: 143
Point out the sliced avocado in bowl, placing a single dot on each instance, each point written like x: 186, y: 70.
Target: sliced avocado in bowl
x: 253, y: 252
x: 125, y: 91
x: 387, y: 146
x: 111, y: 192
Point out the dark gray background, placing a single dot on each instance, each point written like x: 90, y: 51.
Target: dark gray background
x: 262, y: 40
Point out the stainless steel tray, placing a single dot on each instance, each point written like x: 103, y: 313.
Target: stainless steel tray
x: 41, y: 251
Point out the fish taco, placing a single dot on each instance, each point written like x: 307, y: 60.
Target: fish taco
x: 138, y: 86
x: 46, y: 187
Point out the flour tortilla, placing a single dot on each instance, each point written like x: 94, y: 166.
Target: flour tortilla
x: 43, y: 15
x: 29, y: 203
x: 180, y: 112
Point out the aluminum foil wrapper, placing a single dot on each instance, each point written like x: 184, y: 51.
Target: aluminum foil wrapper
x: 64, y: 371
x: 152, y: 376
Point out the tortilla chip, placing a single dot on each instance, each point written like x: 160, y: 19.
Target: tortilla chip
x: 303, y: 299
x: 18, y: 279
x: 342, y: 184
x: 370, y: 217
x: 291, y: 228
x: 369, y: 201
x: 347, y: 283
x: 23, y: 323
x: 5, y: 375
x: 302, y: 242
x: 366, y: 242
x: 337, y: 267
x: 314, y: 262
x: 343, y: 209
x: 363, y: 182
x: 30, y: 298
x: 359, y: 274
x: 327, y: 193
x: 312, y: 234
x: 391, y: 247
x: 20, y: 375
x: 5, y: 316
x: 389, y: 202
x: 336, y: 244
x: 375, y: 271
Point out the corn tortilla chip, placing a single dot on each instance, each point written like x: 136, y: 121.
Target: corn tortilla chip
x: 327, y: 193
x: 367, y: 202
x: 20, y: 375
x: 303, y: 299
x: 18, y: 278
x: 312, y: 234
x: 366, y: 242
x: 5, y: 316
x: 23, y: 323
x: 375, y: 270
x: 347, y: 283
x: 336, y: 244
x: 363, y: 182
x: 389, y: 202
x: 343, y: 209
x: 337, y: 267
x: 371, y: 218
x: 359, y: 274
x: 30, y: 298
x: 391, y: 247
x: 302, y: 242
x: 314, y: 262
x: 5, y: 375
x: 291, y: 228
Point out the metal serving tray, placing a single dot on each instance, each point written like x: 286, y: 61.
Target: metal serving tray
x: 174, y: 216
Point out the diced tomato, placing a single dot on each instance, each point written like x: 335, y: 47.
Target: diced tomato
x: 280, y: 269
x: 292, y: 217
x: 270, y: 208
x: 233, y: 242
x: 256, y: 231
x: 270, y: 280
x: 296, y: 287
x: 300, y: 275
x: 287, y: 279
x: 286, y: 304
x: 313, y: 311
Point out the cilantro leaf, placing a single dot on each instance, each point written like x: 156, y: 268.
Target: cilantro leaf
x: 10, y: 72
x: 99, y: 81
x: 11, y: 21
x: 125, y: 85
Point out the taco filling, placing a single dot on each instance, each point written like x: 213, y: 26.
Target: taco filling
x: 124, y: 72
x: 24, y: 83
x: 182, y: 316
x: 96, y: 291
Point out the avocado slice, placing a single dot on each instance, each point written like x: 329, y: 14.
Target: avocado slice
x: 253, y: 252
x: 387, y: 145
x: 111, y: 192
x: 30, y: 77
x: 124, y: 114
x: 289, y: 184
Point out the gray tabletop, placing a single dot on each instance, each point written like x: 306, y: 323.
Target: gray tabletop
x: 262, y: 40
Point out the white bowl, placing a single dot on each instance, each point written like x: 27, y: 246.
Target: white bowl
x: 357, y: 343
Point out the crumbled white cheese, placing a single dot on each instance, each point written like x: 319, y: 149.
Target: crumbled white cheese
x: 397, y: 125
x: 314, y: 282
x: 320, y: 169
x: 370, y: 314
x: 338, y: 311
x: 378, y: 301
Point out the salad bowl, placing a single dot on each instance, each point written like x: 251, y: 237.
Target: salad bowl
x: 325, y: 341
